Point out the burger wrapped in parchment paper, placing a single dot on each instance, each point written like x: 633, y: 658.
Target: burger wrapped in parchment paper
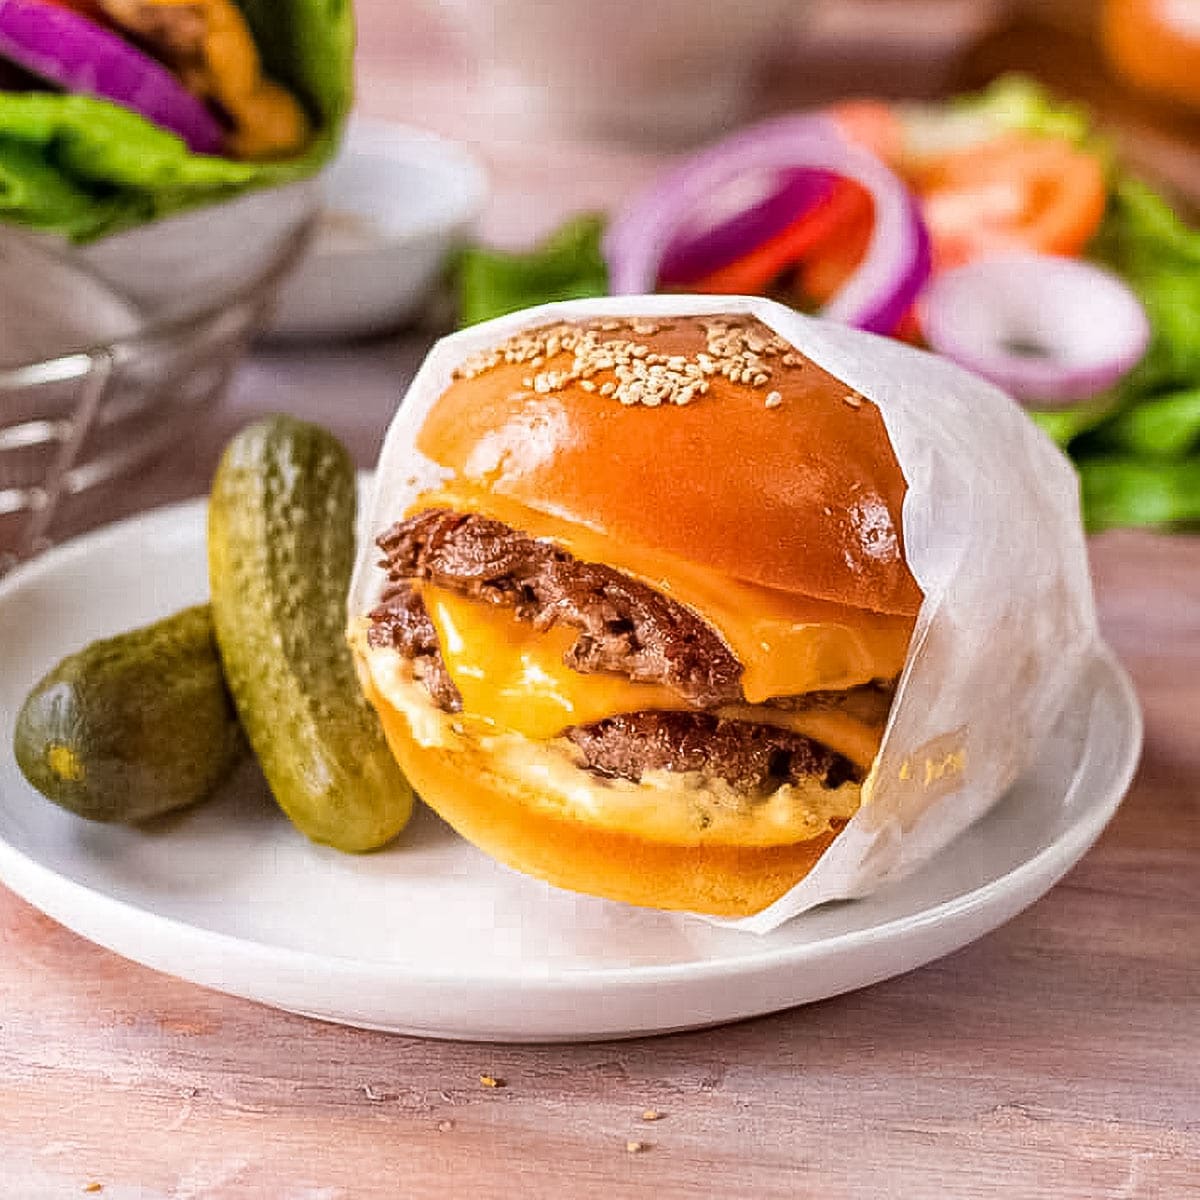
x: 701, y: 604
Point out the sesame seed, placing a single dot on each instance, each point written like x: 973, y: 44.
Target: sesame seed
x: 575, y: 353
x: 492, y: 1081
x: 445, y: 1126
x: 853, y: 400
x: 636, y: 1147
x: 774, y: 399
x: 651, y: 1114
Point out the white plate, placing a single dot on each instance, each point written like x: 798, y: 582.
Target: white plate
x: 395, y: 203
x: 431, y: 937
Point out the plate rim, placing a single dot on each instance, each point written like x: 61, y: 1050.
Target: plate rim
x: 28, y: 877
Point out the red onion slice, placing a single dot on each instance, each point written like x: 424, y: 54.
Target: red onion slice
x: 897, y: 262
x: 1049, y: 331
x: 706, y: 244
x: 78, y: 55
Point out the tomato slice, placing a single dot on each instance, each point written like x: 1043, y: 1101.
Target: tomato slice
x: 1015, y: 193
x: 846, y: 205
x: 829, y: 267
x: 873, y: 125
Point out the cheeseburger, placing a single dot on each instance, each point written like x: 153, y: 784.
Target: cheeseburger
x: 641, y: 635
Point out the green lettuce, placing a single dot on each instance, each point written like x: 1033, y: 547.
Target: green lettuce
x: 1141, y: 464
x: 1120, y: 491
x: 1149, y: 245
x: 1162, y: 427
x: 569, y: 265
x: 1022, y: 105
x: 84, y: 168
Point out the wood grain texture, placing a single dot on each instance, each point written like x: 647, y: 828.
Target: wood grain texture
x: 1055, y: 1058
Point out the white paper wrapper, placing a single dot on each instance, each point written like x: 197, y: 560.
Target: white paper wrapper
x: 992, y: 534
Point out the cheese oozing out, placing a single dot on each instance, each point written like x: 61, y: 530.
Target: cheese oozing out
x: 514, y: 675
x: 684, y: 809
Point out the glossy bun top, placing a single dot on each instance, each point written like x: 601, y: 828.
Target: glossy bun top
x: 706, y: 438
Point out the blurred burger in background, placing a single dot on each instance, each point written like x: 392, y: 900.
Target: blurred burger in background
x: 189, y: 66
x: 119, y: 112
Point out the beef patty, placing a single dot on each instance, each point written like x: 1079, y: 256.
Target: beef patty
x: 401, y: 621
x: 752, y: 758
x: 626, y: 628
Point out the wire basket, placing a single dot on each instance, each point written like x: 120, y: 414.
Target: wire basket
x: 75, y: 425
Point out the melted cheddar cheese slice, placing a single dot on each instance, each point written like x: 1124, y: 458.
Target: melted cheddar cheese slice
x: 514, y: 677
x: 787, y: 644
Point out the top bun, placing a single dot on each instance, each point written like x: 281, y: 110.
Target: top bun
x: 706, y: 438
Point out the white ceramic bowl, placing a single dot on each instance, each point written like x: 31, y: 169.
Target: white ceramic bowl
x: 396, y: 201
x: 200, y: 258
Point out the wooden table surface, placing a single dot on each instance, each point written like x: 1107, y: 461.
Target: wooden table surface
x: 1057, y: 1057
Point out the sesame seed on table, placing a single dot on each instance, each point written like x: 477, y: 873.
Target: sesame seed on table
x: 1056, y: 1057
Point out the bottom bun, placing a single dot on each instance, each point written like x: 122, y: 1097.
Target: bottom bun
x: 502, y: 815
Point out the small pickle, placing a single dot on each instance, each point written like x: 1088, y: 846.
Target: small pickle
x: 134, y: 726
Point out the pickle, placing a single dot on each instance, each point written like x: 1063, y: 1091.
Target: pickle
x: 280, y: 552
x: 133, y: 726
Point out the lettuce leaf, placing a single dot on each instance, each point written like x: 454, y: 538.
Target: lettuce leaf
x: 1121, y: 491
x: 1141, y: 465
x: 1022, y: 105
x: 84, y: 168
x: 1163, y: 427
x: 1149, y: 245
x: 569, y: 265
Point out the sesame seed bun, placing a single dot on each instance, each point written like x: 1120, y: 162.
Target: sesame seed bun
x: 770, y: 470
